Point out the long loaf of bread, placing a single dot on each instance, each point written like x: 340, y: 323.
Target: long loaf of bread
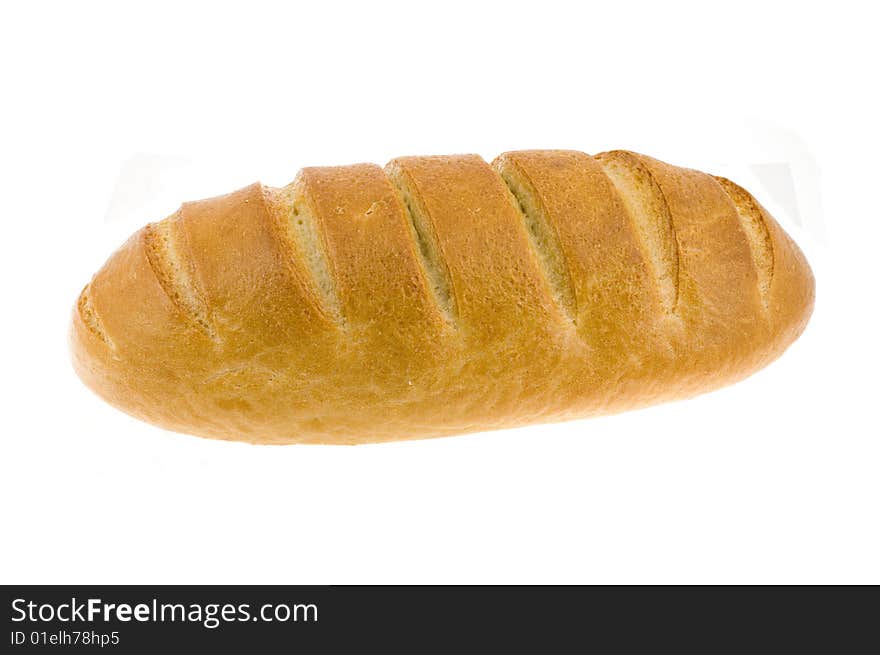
x: 439, y: 296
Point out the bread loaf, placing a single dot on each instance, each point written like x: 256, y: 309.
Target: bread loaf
x: 439, y: 296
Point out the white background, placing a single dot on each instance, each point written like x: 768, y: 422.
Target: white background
x: 112, y: 115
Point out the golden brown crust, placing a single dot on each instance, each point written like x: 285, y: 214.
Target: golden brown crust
x: 440, y: 296
x: 613, y: 285
x: 717, y: 301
